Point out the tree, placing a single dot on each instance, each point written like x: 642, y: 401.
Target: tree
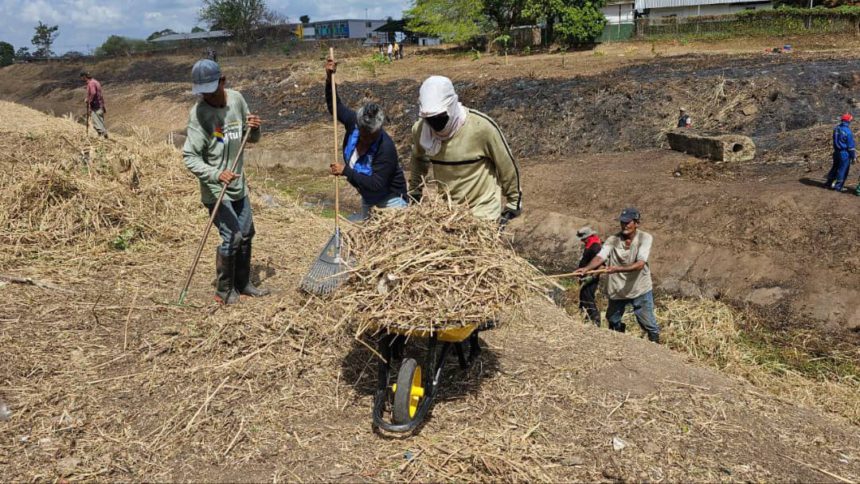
x: 44, y: 38
x: 580, y: 17
x: 197, y: 29
x: 580, y: 24
x: 160, y: 33
x: 451, y: 20
x: 23, y: 53
x: 117, y: 45
x: 504, y: 13
x: 239, y: 17
x: 304, y: 19
x: 7, y: 54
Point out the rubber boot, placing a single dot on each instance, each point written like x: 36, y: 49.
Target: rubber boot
x: 243, y: 273
x: 654, y: 338
x: 225, y: 292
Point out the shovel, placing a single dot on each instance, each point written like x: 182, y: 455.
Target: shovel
x: 328, y: 270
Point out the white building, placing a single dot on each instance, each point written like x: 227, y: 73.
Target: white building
x: 624, y: 12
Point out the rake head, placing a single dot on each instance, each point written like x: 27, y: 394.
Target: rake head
x: 328, y: 271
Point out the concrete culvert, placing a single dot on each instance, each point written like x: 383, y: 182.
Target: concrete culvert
x: 727, y: 147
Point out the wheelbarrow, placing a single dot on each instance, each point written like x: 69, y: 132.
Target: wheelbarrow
x: 417, y: 383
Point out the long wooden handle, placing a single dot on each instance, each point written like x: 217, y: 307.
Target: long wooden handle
x: 211, y: 221
x: 570, y: 274
x: 334, y: 125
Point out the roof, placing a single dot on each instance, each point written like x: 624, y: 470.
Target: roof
x: 643, y: 4
x: 393, y: 26
x: 215, y: 34
x: 375, y: 20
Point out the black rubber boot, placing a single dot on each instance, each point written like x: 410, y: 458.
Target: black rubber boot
x: 243, y: 273
x: 225, y: 291
x: 654, y: 338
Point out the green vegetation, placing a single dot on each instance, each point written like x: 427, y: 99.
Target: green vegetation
x: 576, y: 22
x: 239, y: 17
x: 124, y: 239
x: 373, y: 62
x: 44, y: 38
x: 117, y: 46
x: 456, y: 21
x: 7, y: 54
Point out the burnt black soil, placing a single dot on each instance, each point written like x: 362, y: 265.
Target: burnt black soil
x: 763, y: 96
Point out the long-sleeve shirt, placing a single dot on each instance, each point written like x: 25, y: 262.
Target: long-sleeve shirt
x: 212, y: 142
x: 377, y: 175
x: 476, y: 166
x: 843, y: 140
x: 95, y: 98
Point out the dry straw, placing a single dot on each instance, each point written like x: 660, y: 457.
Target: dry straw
x: 431, y: 266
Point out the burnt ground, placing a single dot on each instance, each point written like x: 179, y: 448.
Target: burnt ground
x: 625, y: 109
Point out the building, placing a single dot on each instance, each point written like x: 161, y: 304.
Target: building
x: 343, y: 29
x: 696, y: 8
x: 194, y: 36
x: 621, y: 15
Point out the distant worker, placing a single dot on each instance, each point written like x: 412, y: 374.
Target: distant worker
x: 684, y: 119
x: 95, y: 103
x: 371, y: 163
x: 470, y: 156
x: 396, y: 50
x: 629, y: 280
x: 390, y: 52
x: 216, y: 126
x: 588, y: 284
x: 843, y: 153
x: 211, y: 54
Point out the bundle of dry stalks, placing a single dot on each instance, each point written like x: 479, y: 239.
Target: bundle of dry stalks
x: 63, y: 189
x: 431, y: 266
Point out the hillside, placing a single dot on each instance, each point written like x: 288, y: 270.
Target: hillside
x: 108, y: 380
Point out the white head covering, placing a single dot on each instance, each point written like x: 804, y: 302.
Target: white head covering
x: 437, y: 96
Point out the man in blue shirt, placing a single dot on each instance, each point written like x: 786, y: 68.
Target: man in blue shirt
x: 843, y: 153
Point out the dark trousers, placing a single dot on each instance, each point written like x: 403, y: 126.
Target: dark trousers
x: 235, y: 224
x: 587, y: 303
x: 839, y: 172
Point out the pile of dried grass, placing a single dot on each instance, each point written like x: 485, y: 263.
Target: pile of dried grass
x: 431, y: 266
x: 711, y: 332
x: 63, y: 190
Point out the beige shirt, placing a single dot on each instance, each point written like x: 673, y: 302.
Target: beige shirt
x: 476, y: 167
x: 628, y: 285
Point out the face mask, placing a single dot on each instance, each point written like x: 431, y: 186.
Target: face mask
x: 438, y: 122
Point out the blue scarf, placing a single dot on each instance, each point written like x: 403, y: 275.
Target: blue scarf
x: 364, y: 163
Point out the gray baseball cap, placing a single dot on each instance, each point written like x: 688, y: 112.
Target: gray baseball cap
x: 205, y: 76
x: 628, y: 214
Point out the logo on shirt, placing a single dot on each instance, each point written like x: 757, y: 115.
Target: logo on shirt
x: 219, y: 134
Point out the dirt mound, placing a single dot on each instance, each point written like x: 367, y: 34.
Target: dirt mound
x: 67, y: 192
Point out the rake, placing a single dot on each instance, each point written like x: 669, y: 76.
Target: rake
x: 329, y: 269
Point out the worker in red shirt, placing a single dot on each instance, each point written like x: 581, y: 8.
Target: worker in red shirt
x: 95, y: 102
x: 588, y: 284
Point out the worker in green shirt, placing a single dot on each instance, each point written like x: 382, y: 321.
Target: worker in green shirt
x: 216, y: 126
x: 470, y: 157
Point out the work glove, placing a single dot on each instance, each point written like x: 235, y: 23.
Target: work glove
x: 507, y: 216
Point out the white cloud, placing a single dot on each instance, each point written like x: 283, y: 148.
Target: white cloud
x: 85, y: 24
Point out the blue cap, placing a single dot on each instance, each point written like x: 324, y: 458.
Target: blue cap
x: 205, y: 76
x: 628, y: 214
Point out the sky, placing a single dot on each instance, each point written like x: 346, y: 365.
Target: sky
x: 86, y: 24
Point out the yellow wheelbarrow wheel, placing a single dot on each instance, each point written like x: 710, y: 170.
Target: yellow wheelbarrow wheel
x: 408, y: 391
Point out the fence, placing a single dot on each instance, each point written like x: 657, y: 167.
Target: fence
x: 782, y: 21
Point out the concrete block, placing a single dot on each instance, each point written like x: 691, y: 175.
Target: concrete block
x: 726, y: 147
